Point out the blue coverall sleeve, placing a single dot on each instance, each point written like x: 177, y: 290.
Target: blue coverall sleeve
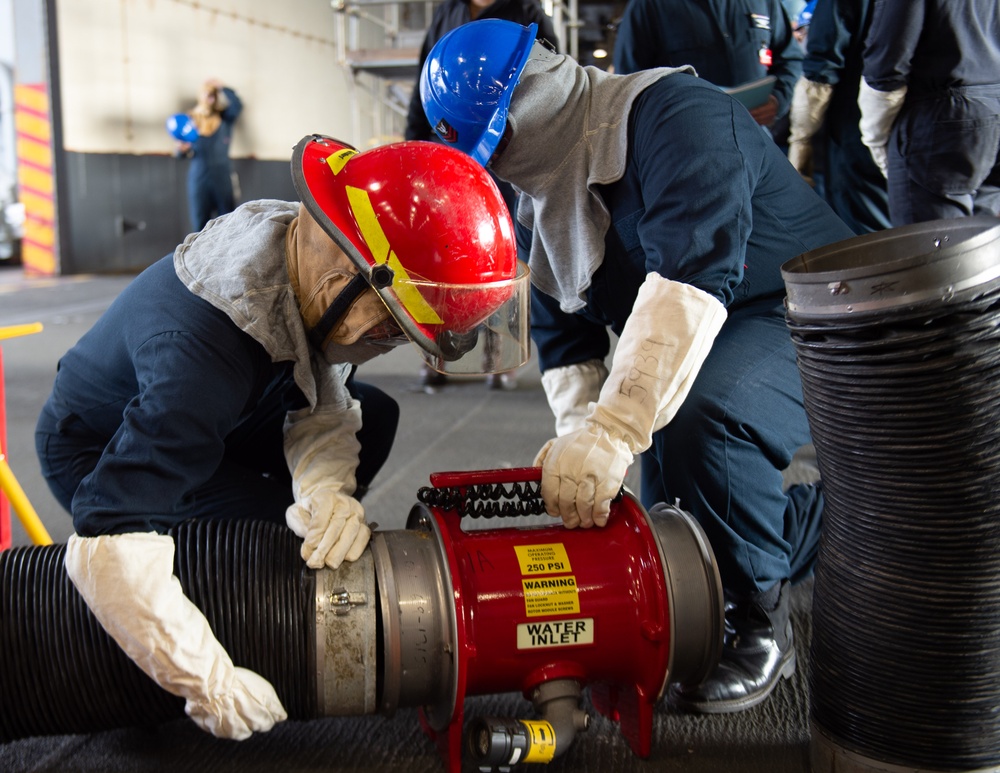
x: 891, y: 42
x: 234, y: 108
x: 564, y: 339
x: 697, y: 188
x: 831, y: 35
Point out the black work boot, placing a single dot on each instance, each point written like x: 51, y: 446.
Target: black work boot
x: 758, y: 650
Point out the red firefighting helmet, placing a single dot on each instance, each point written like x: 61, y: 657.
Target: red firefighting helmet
x: 428, y: 229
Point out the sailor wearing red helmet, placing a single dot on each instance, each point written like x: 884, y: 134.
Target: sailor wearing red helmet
x: 218, y: 385
x: 654, y: 205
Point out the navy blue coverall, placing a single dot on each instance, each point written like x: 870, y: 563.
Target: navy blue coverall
x: 722, y: 212
x: 728, y: 42
x: 853, y: 184
x: 165, y: 410
x: 944, y: 150
x: 210, y: 180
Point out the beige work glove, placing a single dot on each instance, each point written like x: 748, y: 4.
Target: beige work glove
x: 128, y: 583
x: 321, y: 448
x: 666, y: 339
x: 878, y: 113
x: 810, y: 101
x: 570, y: 389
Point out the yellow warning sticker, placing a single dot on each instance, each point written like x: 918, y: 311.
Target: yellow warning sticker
x: 543, y: 559
x: 551, y: 596
x: 339, y: 159
x: 541, y: 741
x: 555, y: 633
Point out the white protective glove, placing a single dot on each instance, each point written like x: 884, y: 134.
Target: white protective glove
x: 570, y: 389
x: 809, y: 104
x: 661, y: 349
x: 321, y: 449
x: 878, y: 113
x: 127, y: 581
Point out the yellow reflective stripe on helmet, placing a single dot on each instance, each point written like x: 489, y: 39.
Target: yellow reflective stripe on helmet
x: 364, y: 214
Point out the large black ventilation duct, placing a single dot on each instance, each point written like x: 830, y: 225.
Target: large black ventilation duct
x: 898, y: 342
x: 63, y: 674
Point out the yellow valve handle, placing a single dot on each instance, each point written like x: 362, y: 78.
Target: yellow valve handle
x: 541, y: 741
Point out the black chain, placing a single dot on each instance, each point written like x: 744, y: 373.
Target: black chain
x: 487, y: 500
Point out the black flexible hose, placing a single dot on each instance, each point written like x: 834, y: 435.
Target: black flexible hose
x: 905, y: 415
x: 60, y: 673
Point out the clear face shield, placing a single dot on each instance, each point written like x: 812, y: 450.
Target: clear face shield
x: 461, y: 339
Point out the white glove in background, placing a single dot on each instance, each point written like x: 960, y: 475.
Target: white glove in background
x: 878, y: 113
x: 666, y: 339
x: 809, y: 105
x: 321, y: 448
x: 128, y: 583
x: 570, y: 389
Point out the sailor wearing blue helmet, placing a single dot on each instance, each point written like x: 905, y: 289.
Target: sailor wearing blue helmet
x: 653, y: 205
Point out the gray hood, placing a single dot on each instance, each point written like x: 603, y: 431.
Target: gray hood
x: 570, y: 134
x: 237, y: 263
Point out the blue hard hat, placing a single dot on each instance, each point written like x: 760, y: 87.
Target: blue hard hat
x: 806, y: 14
x: 468, y: 79
x: 181, y: 127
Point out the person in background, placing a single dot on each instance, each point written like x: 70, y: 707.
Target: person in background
x: 447, y: 17
x: 815, y: 174
x: 930, y: 106
x: 728, y: 42
x: 826, y: 103
x: 210, y: 176
x: 652, y: 204
x: 218, y: 384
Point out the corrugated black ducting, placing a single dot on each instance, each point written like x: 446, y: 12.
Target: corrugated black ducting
x: 61, y: 673
x: 900, y: 366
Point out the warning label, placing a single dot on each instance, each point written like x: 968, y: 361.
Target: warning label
x: 551, y: 596
x: 543, y: 559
